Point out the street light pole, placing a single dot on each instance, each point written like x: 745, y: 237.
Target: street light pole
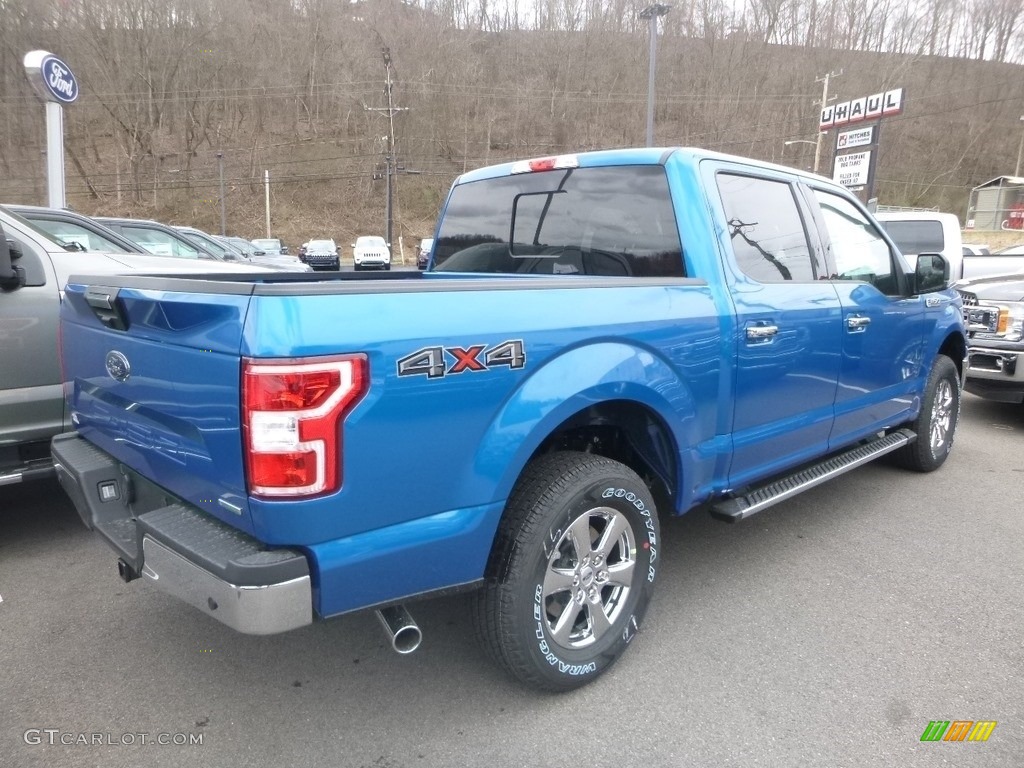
x: 790, y: 142
x: 223, y: 217
x: 651, y: 13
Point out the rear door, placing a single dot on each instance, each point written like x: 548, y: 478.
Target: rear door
x: 788, y: 323
x: 883, y: 329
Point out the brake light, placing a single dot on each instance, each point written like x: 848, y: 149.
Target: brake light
x: 292, y: 412
x: 546, y: 164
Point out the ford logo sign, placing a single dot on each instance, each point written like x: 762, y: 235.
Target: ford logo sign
x: 59, y: 80
x: 118, y: 366
x: 50, y: 77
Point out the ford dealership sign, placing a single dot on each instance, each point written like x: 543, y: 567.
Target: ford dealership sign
x: 51, y: 78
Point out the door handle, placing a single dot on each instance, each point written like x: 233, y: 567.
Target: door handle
x: 761, y: 332
x: 857, y: 323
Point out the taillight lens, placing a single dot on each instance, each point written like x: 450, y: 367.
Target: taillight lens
x: 292, y: 412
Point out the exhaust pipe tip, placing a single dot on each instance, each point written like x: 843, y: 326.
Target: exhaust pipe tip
x: 401, y: 629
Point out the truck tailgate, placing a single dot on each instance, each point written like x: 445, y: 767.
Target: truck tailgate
x: 156, y: 386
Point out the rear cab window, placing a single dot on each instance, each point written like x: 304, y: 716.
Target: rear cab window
x: 611, y: 221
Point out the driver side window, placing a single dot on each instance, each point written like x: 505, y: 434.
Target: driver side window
x: 857, y: 249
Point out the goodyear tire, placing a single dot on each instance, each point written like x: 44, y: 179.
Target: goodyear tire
x: 936, y: 424
x: 572, y: 571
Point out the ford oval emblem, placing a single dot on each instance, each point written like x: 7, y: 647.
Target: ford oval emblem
x: 118, y: 366
x: 59, y: 80
x: 50, y: 77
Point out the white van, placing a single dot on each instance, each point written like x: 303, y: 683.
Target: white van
x: 917, y: 232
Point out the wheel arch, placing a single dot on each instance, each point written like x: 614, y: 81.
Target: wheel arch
x: 954, y: 346
x: 609, y: 398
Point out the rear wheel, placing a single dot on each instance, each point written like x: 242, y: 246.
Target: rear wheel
x: 936, y: 424
x: 572, y: 571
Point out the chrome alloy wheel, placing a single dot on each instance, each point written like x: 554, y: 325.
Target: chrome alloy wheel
x: 942, y: 415
x: 589, y: 577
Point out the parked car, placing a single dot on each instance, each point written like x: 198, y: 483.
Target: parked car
x: 976, y: 249
x: 256, y: 256
x: 32, y: 286
x: 76, y: 231
x: 994, y: 313
x: 1007, y: 261
x: 322, y: 254
x: 158, y: 239
x: 423, y: 254
x: 371, y: 251
x: 917, y: 232
x: 271, y: 246
x: 209, y: 243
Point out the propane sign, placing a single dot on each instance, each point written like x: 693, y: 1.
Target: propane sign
x: 852, y: 170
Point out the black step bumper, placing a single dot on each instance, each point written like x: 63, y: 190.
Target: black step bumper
x: 220, y: 570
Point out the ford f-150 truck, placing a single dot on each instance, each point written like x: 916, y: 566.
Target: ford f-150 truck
x: 994, y: 311
x: 600, y: 338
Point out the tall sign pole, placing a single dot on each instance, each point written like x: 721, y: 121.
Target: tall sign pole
x: 55, y: 84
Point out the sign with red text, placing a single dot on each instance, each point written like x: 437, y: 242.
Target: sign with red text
x: 858, y: 138
x: 867, y: 108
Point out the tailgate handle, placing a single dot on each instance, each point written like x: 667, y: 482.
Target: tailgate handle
x: 104, y: 304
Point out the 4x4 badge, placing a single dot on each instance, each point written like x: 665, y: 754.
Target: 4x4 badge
x: 118, y: 366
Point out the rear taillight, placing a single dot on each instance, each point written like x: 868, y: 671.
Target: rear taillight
x: 292, y: 412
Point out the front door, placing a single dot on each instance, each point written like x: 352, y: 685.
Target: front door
x: 882, y: 330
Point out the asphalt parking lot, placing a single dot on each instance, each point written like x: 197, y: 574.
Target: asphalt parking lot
x: 827, y: 631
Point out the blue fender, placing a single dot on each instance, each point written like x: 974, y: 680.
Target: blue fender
x: 573, y: 381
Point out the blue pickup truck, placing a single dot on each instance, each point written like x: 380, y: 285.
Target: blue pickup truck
x: 599, y: 338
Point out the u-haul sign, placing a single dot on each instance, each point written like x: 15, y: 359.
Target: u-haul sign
x: 852, y: 170
x: 867, y: 108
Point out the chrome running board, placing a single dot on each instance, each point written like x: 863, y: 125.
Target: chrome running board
x: 738, y: 508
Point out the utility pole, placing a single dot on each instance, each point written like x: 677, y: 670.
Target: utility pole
x: 223, y: 217
x: 390, y: 110
x: 266, y: 193
x: 824, y: 103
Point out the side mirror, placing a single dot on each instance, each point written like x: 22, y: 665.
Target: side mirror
x: 259, y: 253
x: 931, y: 273
x: 11, y: 277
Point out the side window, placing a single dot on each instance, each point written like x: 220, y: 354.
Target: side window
x: 159, y: 243
x: 858, y: 249
x: 768, y: 236
x: 66, y: 232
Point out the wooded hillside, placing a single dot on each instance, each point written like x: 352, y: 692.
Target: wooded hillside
x: 298, y: 87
